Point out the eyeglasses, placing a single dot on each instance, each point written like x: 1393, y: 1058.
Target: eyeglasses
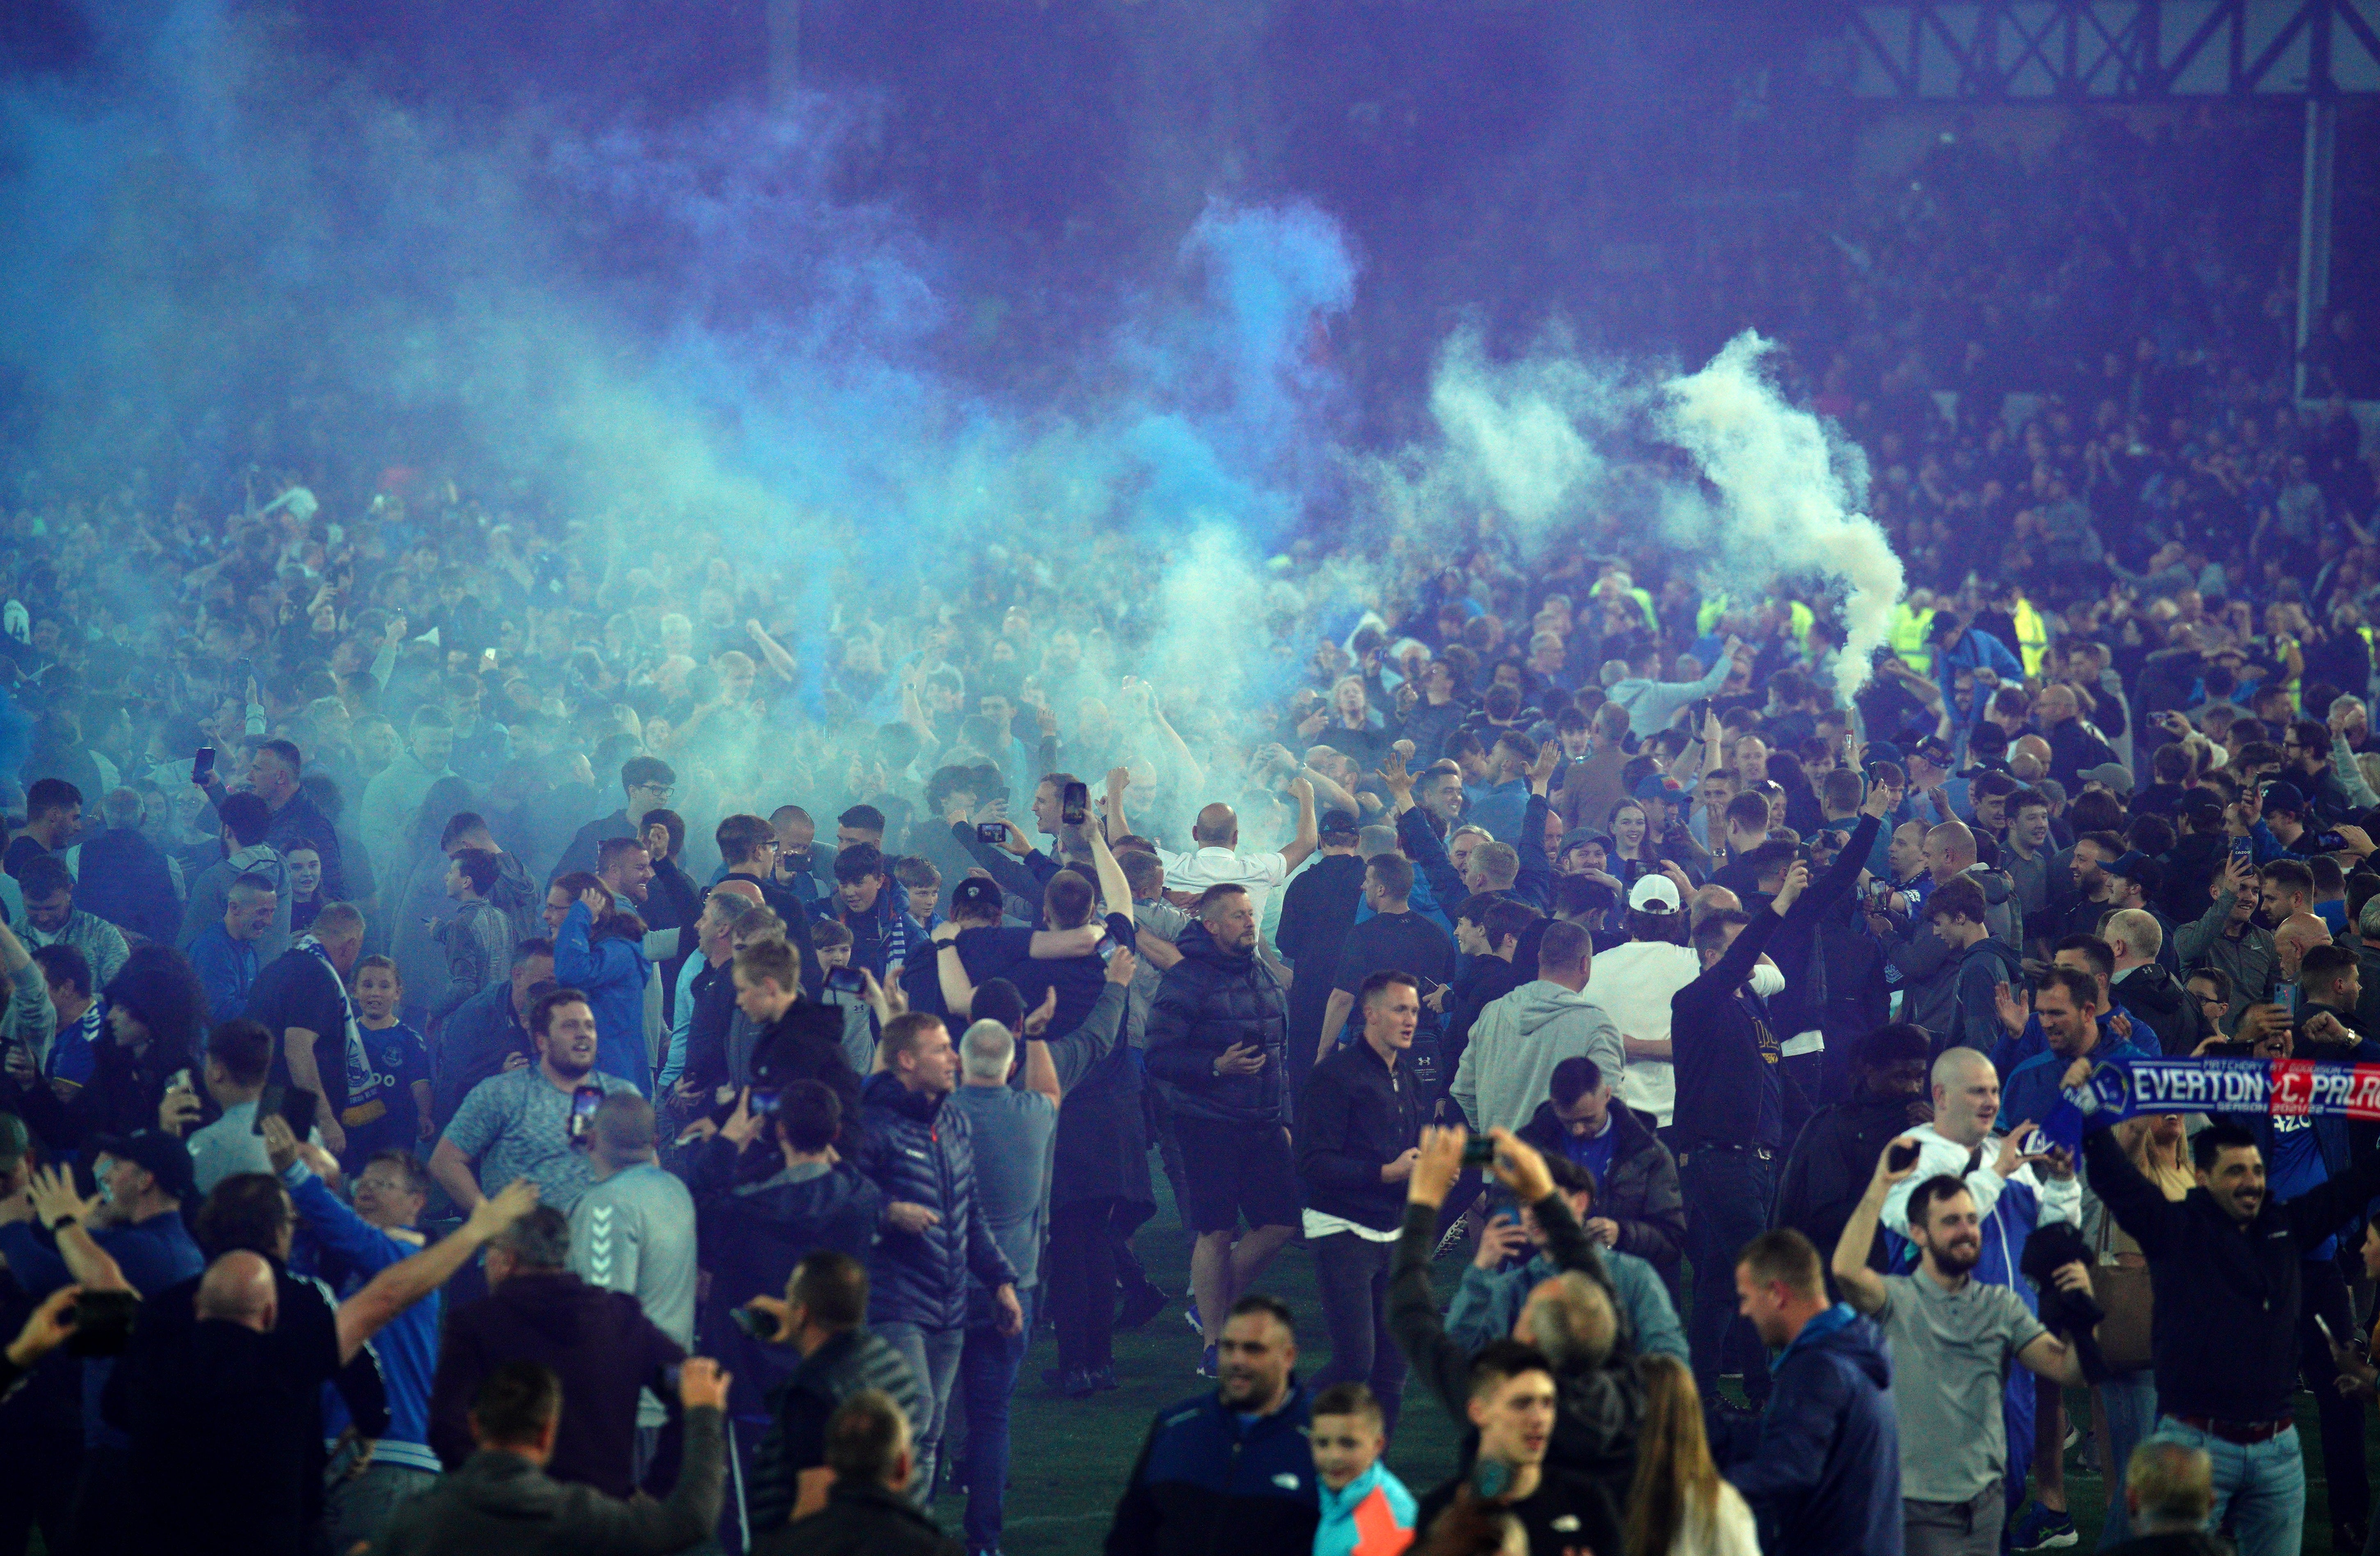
x: 660, y: 791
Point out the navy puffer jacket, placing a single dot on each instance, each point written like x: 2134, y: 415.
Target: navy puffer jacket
x: 919, y: 1153
x: 1211, y: 1001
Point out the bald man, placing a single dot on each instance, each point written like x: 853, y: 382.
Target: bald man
x: 2299, y: 933
x: 238, y: 1288
x: 1217, y: 859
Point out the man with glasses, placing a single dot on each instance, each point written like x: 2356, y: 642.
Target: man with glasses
x: 648, y: 783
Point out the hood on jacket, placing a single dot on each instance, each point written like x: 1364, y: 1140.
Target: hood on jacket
x: 506, y: 1484
x: 2151, y: 988
x: 1198, y: 945
x: 1993, y: 948
x: 1538, y: 1005
x: 1840, y: 1331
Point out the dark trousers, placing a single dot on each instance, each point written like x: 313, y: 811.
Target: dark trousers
x: 2323, y: 1290
x: 1078, y: 1275
x: 1160, y: 1120
x: 988, y: 1363
x: 1354, y: 1275
x: 1728, y: 1194
x: 39, y: 1462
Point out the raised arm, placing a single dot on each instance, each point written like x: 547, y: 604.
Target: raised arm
x: 408, y: 1280
x: 1860, y: 1286
x: 1303, y: 845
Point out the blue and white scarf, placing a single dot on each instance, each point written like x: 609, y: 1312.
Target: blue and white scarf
x: 359, y: 1063
x: 2281, y: 1088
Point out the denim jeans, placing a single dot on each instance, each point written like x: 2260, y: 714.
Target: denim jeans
x: 2128, y: 1400
x: 1354, y: 1275
x: 1727, y: 1194
x: 989, y: 1361
x: 933, y: 1354
x: 2260, y: 1485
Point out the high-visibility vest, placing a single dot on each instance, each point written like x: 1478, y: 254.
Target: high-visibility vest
x: 2031, y: 635
x: 1911, y: 630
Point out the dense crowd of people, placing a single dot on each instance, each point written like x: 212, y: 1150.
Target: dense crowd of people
x: 457, y: 1096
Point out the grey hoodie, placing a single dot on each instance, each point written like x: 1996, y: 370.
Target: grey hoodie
x: 1508, y: 1068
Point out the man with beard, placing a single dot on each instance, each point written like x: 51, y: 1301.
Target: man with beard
x: 1232, y: 1466
x: 1952, y: 1336
x: 516, y: 1123
x: 2011, y: 1198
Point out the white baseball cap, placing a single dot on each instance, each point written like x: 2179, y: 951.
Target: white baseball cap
x: 1654, y: 894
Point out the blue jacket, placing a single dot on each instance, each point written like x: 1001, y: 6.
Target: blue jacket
x: 2031, y: 1089
x: 611, y: 974
x: 1976, y: 650
x: 1821, y: 1465
x: 408, y: 1347
x: 1204, y: 1484
x: 226, y: 967
x: 918, y: 1152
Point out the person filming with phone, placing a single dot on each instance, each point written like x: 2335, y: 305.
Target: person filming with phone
x: 518, y: 1124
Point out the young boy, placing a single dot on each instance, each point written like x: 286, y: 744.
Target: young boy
x: 923, y: 883
x: 1366, y: 1509
x: 390, y: 1111
x: 832, y: 942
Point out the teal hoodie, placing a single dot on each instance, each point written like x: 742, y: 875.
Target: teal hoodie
x: 1372, y: 1516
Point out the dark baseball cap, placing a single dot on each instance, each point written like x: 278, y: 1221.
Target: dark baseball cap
x: 166, y: 1158
x: 2286, y: 797
x: 1659, y: 786
x: 1934, y: 749
x: 974, y: 895
x: 1338, y: 823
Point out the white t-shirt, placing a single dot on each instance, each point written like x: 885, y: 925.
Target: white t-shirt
x: 1634, y: 984
x: 1259, y: 873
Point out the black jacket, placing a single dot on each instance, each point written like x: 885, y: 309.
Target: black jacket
x: 1832, y: 1160
x: 1100, y: 1150
x: 1355, y: 1116
x: 797, y: 1047
x: 860, y: 1521
x: 2153, y: 999
x: 801, y: 1405
x: 752, y: 1233
x: 1640, y: 1191
x: 1211, y: 1001
x: 597, y: 1341
x: 918, y: 1151
x: 1725, y: 1047
x: 1203, y: 1486
x: 2223, y: 1329
x: 1317, y: 911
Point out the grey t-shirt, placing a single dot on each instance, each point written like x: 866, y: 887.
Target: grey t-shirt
x: 518, y: 1124
x: 1013, y: 1132
x: 634, y: 1233
x: 1952, y: 1351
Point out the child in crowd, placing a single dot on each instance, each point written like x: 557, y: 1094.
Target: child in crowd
x: 1366, y: 1509
x: 390, y: 1110
x: 834, y: 944
x: 923, y: 883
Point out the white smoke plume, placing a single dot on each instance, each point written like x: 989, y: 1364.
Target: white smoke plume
x: 1789, y: 494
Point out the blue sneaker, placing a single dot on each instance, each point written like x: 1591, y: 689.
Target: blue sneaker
x: 2041, y: 1528
x: 1190, y: 1316
x: 1206, y: 1368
